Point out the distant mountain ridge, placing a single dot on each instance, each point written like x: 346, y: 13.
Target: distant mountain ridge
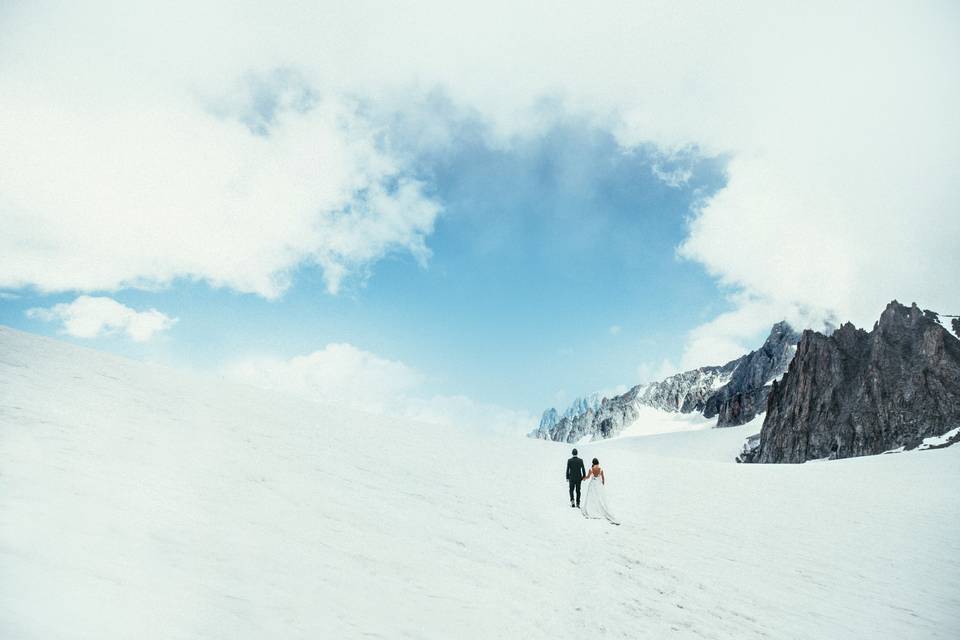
x: 551, y: 416
x: 734, y: 392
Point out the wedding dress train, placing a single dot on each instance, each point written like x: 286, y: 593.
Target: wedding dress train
x: 594, y: 503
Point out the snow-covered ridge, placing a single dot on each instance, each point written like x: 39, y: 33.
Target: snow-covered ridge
x: 733, y: 393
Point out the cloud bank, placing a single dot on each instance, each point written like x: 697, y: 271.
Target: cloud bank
x: 338, y: 374
x: 128, y: 159
x: 345, y: 375
x: 92, y: 317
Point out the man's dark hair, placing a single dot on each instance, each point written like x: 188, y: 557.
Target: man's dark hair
x: 595, y: 461
x: 574, y: 452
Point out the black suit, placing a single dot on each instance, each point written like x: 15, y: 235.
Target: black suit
x: 575, y: 473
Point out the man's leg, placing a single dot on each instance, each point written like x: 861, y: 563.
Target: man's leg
x: 571, y: 483
x: 578, y: 493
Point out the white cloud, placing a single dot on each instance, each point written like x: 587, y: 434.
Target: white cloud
x: 342, y: 374
x: 463, y: 412
x: 676, y: 178
x: 339, y: 373
x: 657, y: 371
x: 114, y: 178
x: 674, y: 167
x: 615, y: 329
x: 91, y: 317
x: 842, y: 140
x: 734, y: 333
x: 615, y: 390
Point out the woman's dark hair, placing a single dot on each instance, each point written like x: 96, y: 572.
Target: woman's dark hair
x: 595, y: 461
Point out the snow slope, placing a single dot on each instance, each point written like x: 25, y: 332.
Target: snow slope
x: 137, y: 502
x: 652, y: 421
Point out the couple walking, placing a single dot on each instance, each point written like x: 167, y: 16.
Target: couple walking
x: 595, y: 500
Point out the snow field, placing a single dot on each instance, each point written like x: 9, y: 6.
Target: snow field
x: 136, y: 501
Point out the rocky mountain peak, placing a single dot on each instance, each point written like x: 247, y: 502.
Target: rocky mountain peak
x: 745, y: 394
x: 780, y: 331
x: 897, y: 318
x: 858, y: 393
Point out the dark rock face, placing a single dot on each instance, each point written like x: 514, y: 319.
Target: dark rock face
x: 745, y: 395
x: 734, y: 392
x: 858, y: 393
x: 742, y: 406
x: 955, y: 323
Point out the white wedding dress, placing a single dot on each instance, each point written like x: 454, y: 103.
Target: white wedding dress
x: 594, y: 504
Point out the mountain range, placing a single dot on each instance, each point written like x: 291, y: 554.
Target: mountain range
x: 734, y: 393
x: 824, y: 395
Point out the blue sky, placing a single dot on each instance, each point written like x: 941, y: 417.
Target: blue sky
x: 483, y: 209
x: 553, y: 272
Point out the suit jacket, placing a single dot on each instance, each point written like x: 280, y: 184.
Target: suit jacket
x: 575, y: 469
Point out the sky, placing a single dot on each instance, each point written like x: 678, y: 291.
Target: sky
x: 469, y: 213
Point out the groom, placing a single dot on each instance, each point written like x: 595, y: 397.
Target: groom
x: 575, y: 475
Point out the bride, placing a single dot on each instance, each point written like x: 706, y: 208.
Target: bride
x: 595, y: 499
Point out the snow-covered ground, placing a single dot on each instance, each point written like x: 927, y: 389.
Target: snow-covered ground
x: 652, y: 421
x: 939, y: 441
x: 136, y: 502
